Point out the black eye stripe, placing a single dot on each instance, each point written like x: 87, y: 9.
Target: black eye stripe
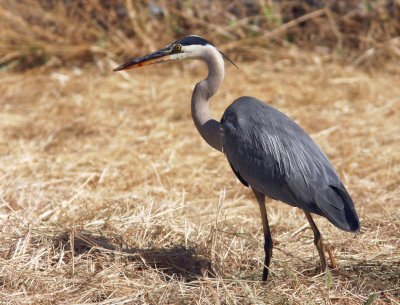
x: 192, y: 40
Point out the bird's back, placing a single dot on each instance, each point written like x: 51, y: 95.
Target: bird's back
x: 272, y: 154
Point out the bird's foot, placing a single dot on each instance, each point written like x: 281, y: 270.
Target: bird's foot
x: 331, y: 257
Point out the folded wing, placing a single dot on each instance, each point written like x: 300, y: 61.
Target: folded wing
x: 272, y: 154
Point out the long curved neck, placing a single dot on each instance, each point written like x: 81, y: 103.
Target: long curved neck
x: 208, y: 127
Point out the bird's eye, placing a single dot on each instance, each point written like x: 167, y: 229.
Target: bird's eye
x: 177, y: 48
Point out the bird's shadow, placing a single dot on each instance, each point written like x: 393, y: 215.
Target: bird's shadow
x: 179, y: 261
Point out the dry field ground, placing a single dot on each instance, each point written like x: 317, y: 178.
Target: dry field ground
x: 109, y: 196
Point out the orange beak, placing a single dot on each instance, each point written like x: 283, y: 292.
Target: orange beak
x: 153, y: 58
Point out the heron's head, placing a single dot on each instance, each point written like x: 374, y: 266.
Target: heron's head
x: 185, y: 48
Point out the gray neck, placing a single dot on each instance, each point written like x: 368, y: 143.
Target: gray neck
x: 208, y: 127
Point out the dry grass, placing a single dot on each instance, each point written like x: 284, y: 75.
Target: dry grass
x: 108, y: 195
x: 56, y: 33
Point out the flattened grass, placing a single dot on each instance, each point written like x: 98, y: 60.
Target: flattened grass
x: 108, y: 194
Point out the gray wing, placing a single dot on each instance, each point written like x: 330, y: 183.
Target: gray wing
x: 272, y: 154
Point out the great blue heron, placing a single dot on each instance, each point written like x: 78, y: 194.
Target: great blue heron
x: 267, y: 151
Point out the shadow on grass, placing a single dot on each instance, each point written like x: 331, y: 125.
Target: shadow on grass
x: 185, y: 263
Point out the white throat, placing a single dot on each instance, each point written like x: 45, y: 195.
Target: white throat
x: 207, y: 126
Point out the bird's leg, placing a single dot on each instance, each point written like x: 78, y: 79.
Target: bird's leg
x: 331, y: 257
x: 319, y: 244
x: 267, y: 234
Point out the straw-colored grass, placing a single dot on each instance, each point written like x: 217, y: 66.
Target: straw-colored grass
x: 109, y: 196
x: 56, y: 33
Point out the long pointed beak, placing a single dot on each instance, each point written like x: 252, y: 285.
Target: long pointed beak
x: 153, y: 58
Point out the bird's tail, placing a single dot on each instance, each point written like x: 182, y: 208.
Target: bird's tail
x: 340, y: 211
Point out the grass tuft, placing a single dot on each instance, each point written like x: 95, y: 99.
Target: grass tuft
x: 109, y: 196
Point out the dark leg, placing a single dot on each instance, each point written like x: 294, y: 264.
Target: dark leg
x: 319, y: 244
x: 267, y: 234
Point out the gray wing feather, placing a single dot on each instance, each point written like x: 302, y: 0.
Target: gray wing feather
x: 272, y: 154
